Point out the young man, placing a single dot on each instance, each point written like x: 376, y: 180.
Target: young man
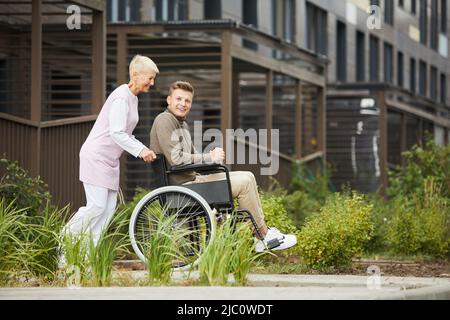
x: 170, y: 136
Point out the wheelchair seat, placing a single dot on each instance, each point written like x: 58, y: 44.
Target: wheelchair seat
x: 216, y: 193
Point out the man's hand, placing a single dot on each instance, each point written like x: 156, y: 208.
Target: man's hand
x: 147, y: 155
x: 217, y: 155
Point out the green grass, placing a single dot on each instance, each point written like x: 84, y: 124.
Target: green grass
x: 230, y: 252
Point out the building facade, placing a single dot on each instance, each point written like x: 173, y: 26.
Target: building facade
x: 387, y: 77
x: 350, y: 82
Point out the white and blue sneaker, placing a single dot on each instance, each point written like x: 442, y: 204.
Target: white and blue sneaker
x: 275, y: 240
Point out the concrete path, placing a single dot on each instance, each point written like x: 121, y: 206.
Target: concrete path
x: 261, y: 287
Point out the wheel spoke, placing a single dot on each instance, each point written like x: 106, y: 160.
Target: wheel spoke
x: 190, y: 217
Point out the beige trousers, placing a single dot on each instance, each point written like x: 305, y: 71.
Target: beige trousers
x: 244, y: 188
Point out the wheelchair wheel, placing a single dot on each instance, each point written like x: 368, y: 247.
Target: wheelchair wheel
x: 190, y: 216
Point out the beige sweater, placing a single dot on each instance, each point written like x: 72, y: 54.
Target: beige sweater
x: 170, y: 136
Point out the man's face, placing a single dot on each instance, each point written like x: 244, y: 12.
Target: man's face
x: 179, y: 102
x: 144, y: 80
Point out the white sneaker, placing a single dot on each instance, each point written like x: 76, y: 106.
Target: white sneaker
x: 275, y: 240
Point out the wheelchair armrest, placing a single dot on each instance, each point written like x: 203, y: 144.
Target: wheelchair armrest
x: 205, y: 168
x: 199, y: 167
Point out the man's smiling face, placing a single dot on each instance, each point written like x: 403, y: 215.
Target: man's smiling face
x: 180, y: 102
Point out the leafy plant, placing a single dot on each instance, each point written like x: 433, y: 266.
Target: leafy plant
x: 332, y: 237
x: 75, y: 258
x: 316, y: 184
x: 243, y: 255
x: 168, y: 238
x: 421, y: 164
x: 102, y: 253
x: 10, y: 223
x: 27, y: 192
x: 381, y: 217
x: 40, y: 237
x: 229, y: 252
x: 420, y: 223
x: 275, y: 213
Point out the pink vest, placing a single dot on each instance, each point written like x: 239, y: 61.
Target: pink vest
x: 99, y: 155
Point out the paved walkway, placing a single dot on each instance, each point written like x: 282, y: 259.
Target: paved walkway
x: 261, y: 287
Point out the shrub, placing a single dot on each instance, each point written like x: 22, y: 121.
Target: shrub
x: 332, y: 237
x: 300, y: 205
x: 381, y: 215
x: 29, y: 246
x: 420, y: 223
x: 306, y: 194
x: 275, y: 213
x: 317, y: 185
x: 422, y: 163
x: 10, y: 223
x: 16, y: 185
x: 41, y: 241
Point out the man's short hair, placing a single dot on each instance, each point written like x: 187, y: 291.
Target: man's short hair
x: 183, y: 85
x: 142, y: 63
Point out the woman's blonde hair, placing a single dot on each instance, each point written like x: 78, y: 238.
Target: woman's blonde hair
x: 141, y: 63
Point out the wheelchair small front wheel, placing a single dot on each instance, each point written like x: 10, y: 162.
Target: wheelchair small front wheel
x: 192, y: 224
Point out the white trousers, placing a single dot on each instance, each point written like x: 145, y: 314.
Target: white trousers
x: 96, y: 215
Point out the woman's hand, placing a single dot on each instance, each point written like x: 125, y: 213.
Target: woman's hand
x: 147, y: 155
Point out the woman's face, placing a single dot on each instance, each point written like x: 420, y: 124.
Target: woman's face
x: 144, y: 80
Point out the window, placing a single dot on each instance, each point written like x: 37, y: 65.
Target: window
x: 444, y: 16
x: 423, y: 22
x: 443, y: 89
x: 422, y: 78
x: 316, y: 29
x: 413, y: 6
x: 123, y: 10
x: 212, y: 9
x: 250, y: 17
x: 341, y: 54
x: 400, y: 69
x: 109, y: 11
x: 283, y: 19
x: 389, y: 12
x: 374, y: 58
x: 249, y: 12
x: 433, y: 82
x: 289, y: 20
x: 434, y: 25
x: 412, y: 75
x: 360, y: 56
x: 167, y: 10
x: 388, y: 63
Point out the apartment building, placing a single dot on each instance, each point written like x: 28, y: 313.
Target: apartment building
x: 350, y: 82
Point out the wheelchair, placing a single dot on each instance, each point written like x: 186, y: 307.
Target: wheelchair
x: 197, y: 207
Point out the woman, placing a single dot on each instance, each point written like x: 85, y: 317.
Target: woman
x: 100, y: 153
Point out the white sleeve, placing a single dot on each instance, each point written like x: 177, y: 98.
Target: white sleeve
x: 117, y: 123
